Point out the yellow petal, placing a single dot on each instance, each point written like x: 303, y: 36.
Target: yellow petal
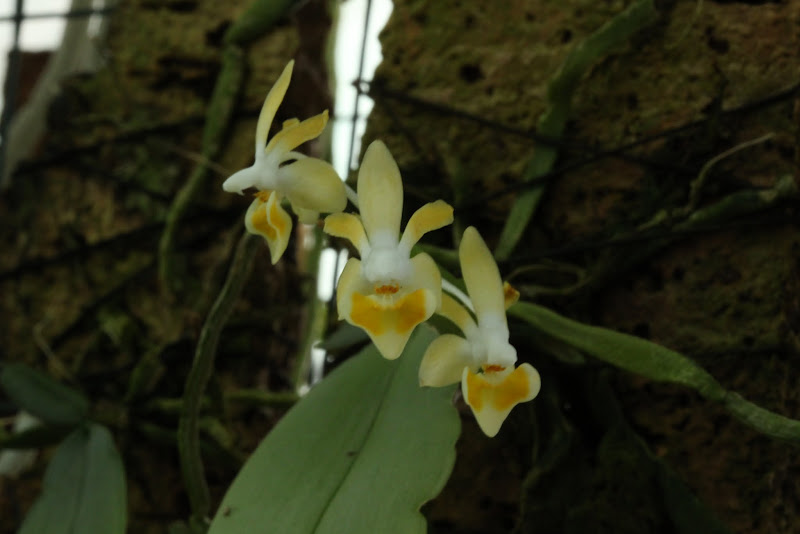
x: 348, y: 226
x: 429, y: 217
x: 270, y: 107
x: 444, y: 361
x: 269, y: 220
x: 380, y: 195
x: 388, y: 315
x: 298, y: 133
x: 350, y: 282
x: 482, y: 278
x: 425, y: 274
x: 510, y: 295
x: 491, y: 398
x: 453, y: 310
x: 312, y: 184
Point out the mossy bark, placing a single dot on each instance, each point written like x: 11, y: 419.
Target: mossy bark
x: 79, y: 289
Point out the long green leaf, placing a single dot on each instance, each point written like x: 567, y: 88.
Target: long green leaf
x: 627, y: 352
x: 763, y: 420
x: 360, y: 454
x: 103, y: 507
x: 655, y: 362
x: 551, y: 124
x: 43, y: 397
x: 84, y: 488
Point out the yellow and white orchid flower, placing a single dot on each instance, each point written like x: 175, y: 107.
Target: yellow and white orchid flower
x: 311, y: 185
x: 483, y: 360
x: 387, y: 293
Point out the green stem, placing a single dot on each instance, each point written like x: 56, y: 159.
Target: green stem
x: 200, y: 374
x: 553, y: 121
x: 316, y: 318
x: 259, y: 398
x: 730, y: 208
x: 220, y: 109
x: 259, y: 17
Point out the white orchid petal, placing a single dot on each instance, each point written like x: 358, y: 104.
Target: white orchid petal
x: 298, y: 133
x: 255, y: 176
x: 444, y: 361
x: 429, y: 217
x: 482, y: 278
x: 380, y: 194
x: 453, y: 310
x: 270, y: 107
x: 348, y: 226
x: 313, y: 184
x: 425, y: 274
x: 350, y: 281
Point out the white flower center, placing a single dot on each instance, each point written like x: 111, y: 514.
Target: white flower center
x: 493, y: 333
x: 385, y: 264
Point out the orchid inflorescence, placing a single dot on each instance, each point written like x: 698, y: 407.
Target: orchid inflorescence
x: 388, y: 292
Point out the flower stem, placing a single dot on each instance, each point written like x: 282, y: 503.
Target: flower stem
x: 351, y: 195
x: 200, y: 373
x: 220, y: 110
x: 457, y: 293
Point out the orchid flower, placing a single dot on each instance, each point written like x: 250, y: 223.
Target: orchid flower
x: 387, y: 293
x: 311, y: 185
x: 483, y: 360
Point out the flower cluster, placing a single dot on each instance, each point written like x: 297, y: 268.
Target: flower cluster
x: 388, y: 292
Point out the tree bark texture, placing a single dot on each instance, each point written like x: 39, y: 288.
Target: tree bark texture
x: 79, y: 290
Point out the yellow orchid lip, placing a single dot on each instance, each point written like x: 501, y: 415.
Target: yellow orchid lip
x: 379, y: 315
x: 388, y: 311
x: 492, y: 394
x: 266, y: 217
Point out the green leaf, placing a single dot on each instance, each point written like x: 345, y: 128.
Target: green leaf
x: 84, y: 488
x: 360, y: 453
x: 621, y: 350
x: 763, y: 420
x: 655, y: 362
x: 560, y: 91
x: 43, y: 397
x: 346, y: 336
